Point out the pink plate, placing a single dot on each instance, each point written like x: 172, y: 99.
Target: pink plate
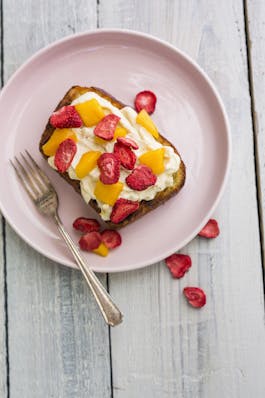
x: 189, y: 112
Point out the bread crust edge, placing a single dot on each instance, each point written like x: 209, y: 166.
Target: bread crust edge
x: 145, y: 206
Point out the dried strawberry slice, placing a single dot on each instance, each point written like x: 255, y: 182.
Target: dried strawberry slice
x: 145, y: 100
x: 141, y: 178
x: 128, y: 142
x: 111, y: 238
x: 195, y: 296
x: 178, y: 264
x: 64, y: 155
x: 106, y: 127
x: 126, y: 155
x: 210, y: 230
x: 90, y: 241
x: 66, y: 117
x: 86, y: 224
x: 109, y: 166
x: 122, y: 209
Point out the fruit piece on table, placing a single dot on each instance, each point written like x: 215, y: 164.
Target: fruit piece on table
x: 128, y: 142
x: 109, y: 166
x: 87, y: 163
x: 111, y: 238
x: 90, y: 241
x: 154, y: 159
x: 86, y: 224
x: 66, y: 116
x: 58, y: 136
x: 126, y: 156
x: 106, y: 127
x: 91, y: 112
x: 141, y: 178
x: 145, y: 100
x: 122, y: 209
x: 210, y: 230
x: 119, y: 132
x: 145, y: 121
x: 102, y: 250
x: 108, y: 193
x: 178, y: 264
x: 64, y: 155
x: 195, y: 296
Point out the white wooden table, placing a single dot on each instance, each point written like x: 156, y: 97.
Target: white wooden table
x: 53, y: 340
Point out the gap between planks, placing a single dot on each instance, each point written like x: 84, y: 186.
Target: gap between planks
x: 4, y: 226
x: 255, y: 139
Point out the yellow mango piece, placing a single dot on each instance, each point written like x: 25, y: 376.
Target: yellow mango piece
x: 87, y: 163
x: 154, y: 160
x: 58, y: 136
x: 102, y: 250
x: 119, y: 132
x: 108, y: 193
x: 100, y: 141
x: 145, y: 120
x: 91, y: 112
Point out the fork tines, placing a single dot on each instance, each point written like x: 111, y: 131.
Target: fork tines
x: 31, y: 176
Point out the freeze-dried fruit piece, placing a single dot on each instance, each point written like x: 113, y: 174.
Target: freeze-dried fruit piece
x: 145, y: 100
x: 210, y: 230
x: 64, y: 155
x: 195, y: 296
x: 178, y: 264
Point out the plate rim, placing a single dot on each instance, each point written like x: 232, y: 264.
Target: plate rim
x: 220, y: 103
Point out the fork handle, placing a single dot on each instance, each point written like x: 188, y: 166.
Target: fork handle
x: 109, y: 310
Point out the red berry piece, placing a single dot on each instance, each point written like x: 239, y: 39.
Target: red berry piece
x: 106, y: 127
x: 86, y: 224
x: 66, y: 117
x: 145, y: 100
x: 195, y: 296
x: 111, y: 238
x: 90, y: 241
x: 128, y: 142
x: 141, y: 178
x: 64, y: 155
x: 122, y: 209
x: 126, y: 155
x: 109, y: 166
x: 178, y: 264
x: 210, y: 230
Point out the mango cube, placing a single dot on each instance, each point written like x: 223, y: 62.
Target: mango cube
x: 119, y: 132
x: 108, y: 193
x: 154, y: 159
x: 102, y: 250
x: 91, y: 112
x: 87, y: 163
x: 57, y: 137
x: 145, y: 121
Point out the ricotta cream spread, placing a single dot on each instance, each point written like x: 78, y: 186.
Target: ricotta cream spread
x: 145, y: 141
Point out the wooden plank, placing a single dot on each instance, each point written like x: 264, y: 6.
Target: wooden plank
x: 164, y: 348
x: 3, y: 348
x: 58, y: 342
x: 255, y: 24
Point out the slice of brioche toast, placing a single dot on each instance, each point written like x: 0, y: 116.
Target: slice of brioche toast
x: 145, y: 206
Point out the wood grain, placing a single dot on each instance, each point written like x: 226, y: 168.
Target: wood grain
x: 255, y: 16
x: 165, y: 348
x: 3, y: 348
x: 58, y: 342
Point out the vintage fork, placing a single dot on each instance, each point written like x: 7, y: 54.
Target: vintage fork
x: 44, y: 196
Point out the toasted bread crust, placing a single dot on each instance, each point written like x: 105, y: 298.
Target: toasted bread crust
x: 145, y: 206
